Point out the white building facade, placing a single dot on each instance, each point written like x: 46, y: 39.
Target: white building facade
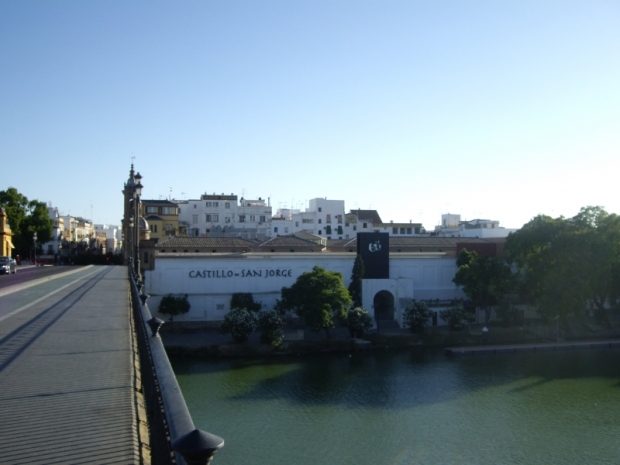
x: 209, y: 280
x: 452, y: 226
x: 328, y: 219
x: 225, y: 216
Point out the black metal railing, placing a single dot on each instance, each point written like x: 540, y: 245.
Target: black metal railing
x: 172, y: 435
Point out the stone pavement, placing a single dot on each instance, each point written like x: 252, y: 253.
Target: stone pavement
x: 66, y: 371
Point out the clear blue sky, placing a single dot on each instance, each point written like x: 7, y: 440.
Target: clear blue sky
x: 490, y: 109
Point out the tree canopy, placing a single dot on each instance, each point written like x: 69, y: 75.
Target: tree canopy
x: 565, y: 263
x: 484, y: 280
x: 355, y: 287
x: 319, y: 297
x: 25, y: 218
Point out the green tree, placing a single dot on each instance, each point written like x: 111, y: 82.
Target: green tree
x: 358, y: 321
x: 563, y: 264
x: 355, y: 287
x: 174, y: 305
x: 270, y: 324
x: 417, y: 316
x: 318, y: 296
x: 25, y: 218
x: 245, y: 300
x: 484, y: 280
x: 240, y: 323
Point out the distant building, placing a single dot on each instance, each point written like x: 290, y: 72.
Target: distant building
x: 452, y: 226
x: 327, y: 218
x: 225, y: 216
x: 162, y: 217
x: 112, y: 235
x: 6, y: 235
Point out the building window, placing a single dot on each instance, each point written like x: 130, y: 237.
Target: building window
x: 194, y: 219
x: 169, y: 228
x: 208, y: 204
x: 408, y: 230
x: 169, y: 211
x: 275, y: 230
x: 320, y: 232
x: 307, y: 221
x: 394, y: 230
x: 364, y: 225
x: 262, y: 218
x: 227, y: 219
x: 151, y: 209
x: 211, y: 218
x: 320, y: 221
x: 252, y: 218
x: 216, y: 204
x: 402, y: 230
x: 354, y: 227
x: 241, y: 218
x: 226, y: 204
x: 339, y: 217
x: 297, y: 224
x: 320, y: 209
x: 329, y: 218
x: 328, y: 229
x: 153, y: 228
x: 195, y: 206
x: 285, y: 230
x: 146, y: 257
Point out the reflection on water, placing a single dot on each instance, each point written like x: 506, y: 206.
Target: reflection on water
x: 410, y: 407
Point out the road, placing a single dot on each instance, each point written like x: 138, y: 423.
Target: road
x: 66, y: 367
x: 27, y: 273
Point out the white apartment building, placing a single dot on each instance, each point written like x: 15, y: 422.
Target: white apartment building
x: 53, y: 246
x: 114, y: 236
x: 452, y: 226
x: 327, y: 218
x: 225, y: 216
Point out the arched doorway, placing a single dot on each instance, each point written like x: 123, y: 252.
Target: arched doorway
x: 383, y: 304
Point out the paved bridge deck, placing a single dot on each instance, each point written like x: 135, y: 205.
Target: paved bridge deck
x: 66, y: 371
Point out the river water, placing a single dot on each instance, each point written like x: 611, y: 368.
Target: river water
x: 410, y: 407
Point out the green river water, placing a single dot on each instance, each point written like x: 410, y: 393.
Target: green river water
x: 410, y: 407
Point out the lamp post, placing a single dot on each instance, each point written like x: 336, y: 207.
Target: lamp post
x: 34, y: 241
x: 136, y: 202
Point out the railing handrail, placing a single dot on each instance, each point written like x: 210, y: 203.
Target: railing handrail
x: 187, y: 442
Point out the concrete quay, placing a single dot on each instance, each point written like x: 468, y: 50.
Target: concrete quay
x: 534, y: 347
x: 67, y: 371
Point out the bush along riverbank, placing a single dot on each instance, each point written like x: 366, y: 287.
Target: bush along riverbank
x: 207, y: 344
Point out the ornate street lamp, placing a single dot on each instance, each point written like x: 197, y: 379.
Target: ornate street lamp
x: 34, y: 240
x: 138, y: 193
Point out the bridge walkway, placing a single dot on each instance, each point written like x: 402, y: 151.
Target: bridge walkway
x: 67, y: 371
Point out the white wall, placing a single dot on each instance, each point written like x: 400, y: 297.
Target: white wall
x: 210, y: 280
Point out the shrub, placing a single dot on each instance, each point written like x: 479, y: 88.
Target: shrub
x: 417, y: 316
x: 239, y: 323
x: 270, y: 324
x: 457, y: 317
x: 245, y: 300
x: 358, y: 321
x: 174, y: 305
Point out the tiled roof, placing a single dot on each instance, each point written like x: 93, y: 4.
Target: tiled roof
x: 340, y: 243
x: 159, y: 202
x: 288, y: 241
x: 211, y: 242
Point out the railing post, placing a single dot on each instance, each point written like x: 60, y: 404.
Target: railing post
x: 197, y: 447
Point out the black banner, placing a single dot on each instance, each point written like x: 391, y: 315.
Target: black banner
x: 375, y: 251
